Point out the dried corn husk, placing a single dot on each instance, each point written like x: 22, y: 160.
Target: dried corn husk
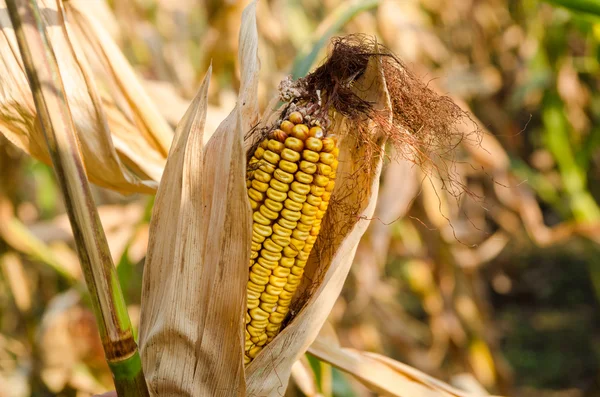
x: 121, y: 136
x: 191, y: 332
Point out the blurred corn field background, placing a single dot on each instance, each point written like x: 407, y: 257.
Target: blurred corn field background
x: 497, y: 287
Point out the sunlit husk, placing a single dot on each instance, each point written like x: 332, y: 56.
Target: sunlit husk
x: 193, y: 299
x: 112, y: 116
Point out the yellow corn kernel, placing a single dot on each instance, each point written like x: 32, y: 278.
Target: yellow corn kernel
x: 297, y: 197
x: 275, y: 146
x: 292, y: 216
x: 300, y: 131
x: 256, y: 195
x: 261, y: 219
x: 266, y: 167
x: 260, y: 186
x: 261, y: 176
x: 328, y: 144
x: 258, y: 154
x: 260, y: 280
x: 260, y: 323
x: 269, y: 298
x: 276, y: 195
x: 288, y: 166
x: 289, y: 154
x: 267, y: 213
x: 292, y: 205
x: 330, y: 185
x: 280, y: 186
x: 316, y: 132
x: 294, y: 145
x: 290, y: 251
x: 297, y: 271
x: 282, y: 241
x: 324, y: 169
x: 272, y: 290
x: 313, y: 200
x: 295, y: 117
x: 309, y: 210
x: 254, y: 351
x: 283, y: 176
x: 314, y: 144
x: 253, y: 331
x: 267, y: 263
x: 271, y: 157
x: 300, y: 188
x: 326, y: 158
x: 287, y: 224
x: 252, y: 286
x: 252, y: 303
x: 262, y: 230
x: 303, y: 227
x: 276, y: 318
x: 271, y: 246
x: 281, y: 271
x: 308, y: 167
x: 297, y: 244
x: 286, y: 262
x: 303, y: 177
x: 258, y: 314
x: 317, y: 190
x: 273, y: 205
x: 271, y: 256
x: 286, y: 126
x: 281, y: 231
x: 310, y: 155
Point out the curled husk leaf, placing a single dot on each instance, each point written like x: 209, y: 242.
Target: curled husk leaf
x: 193, y: 298
x: 122, y: 139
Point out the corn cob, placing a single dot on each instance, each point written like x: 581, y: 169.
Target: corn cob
x: 290, y: 179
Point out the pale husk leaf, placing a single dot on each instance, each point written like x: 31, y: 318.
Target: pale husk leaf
x: 193, y: 299
x: 95, y: 114
x: 383, y: 375
x: 269, y: 372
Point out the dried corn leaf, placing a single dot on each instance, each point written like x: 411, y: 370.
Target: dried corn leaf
x: 193, y: 299
x: 116, y: 154
x: 383, y: 375
x: 330, y: 261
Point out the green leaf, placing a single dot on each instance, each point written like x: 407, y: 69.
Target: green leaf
x: 345, y: 13
x: 586, y: 6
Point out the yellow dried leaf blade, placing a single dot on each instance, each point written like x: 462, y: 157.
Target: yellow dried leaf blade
x: 18, y: 115
x: 157, y: 129
x: 383, y: 375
